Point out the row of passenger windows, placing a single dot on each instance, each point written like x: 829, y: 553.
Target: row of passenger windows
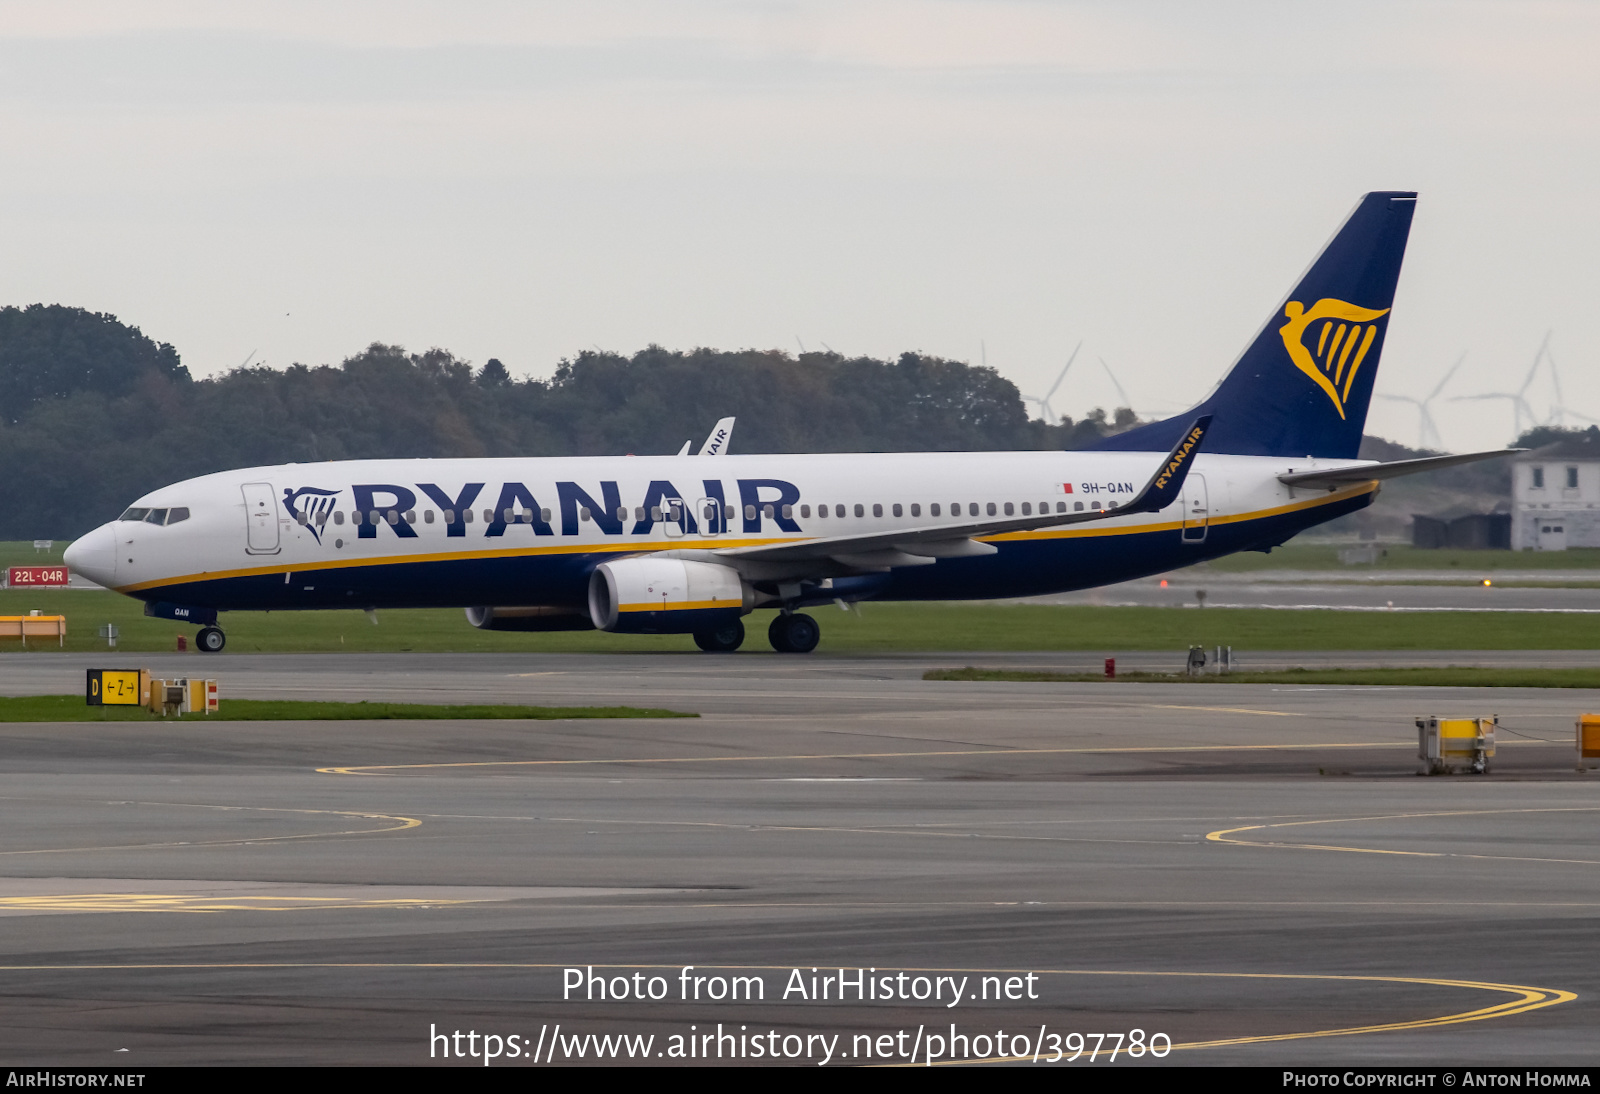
x: 673, y: 511
x: 156, y: 516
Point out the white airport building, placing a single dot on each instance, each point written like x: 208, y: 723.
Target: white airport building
x: 1555, y: 495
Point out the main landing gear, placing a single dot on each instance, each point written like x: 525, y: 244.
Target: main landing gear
x: 794, y: 633
x: 723, y: 639
x: 210, y: 640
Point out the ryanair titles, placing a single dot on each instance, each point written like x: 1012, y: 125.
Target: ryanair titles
x: 708, y: 511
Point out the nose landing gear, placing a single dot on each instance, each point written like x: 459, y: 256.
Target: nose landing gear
x: 794, y: 633
x: 210, y: 640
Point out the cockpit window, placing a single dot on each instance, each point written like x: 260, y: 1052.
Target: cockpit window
x: 135, y: 514
x: 175, y: 515
x: 156, y: 516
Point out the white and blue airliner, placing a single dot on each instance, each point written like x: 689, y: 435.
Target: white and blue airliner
x: 690, y: 545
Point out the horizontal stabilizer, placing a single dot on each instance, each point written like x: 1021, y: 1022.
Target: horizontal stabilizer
x: 1369, y: 472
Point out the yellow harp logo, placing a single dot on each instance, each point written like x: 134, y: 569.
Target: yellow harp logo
x: 1343, y: 333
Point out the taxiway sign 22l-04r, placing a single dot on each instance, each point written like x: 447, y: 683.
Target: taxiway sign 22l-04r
x: 684, y: 545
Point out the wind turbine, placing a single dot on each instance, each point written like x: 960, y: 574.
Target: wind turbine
x: 1121, y: 394
x: 1520, y: 409
x: 1046, y: 411
x: 1427, y: 429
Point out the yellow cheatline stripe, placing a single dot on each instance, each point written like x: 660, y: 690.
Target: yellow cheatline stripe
x: 692, y: 605
x: 1222, y: 835
x: 1525, y: 998
x: 715, y: 543
x: 370, y: 769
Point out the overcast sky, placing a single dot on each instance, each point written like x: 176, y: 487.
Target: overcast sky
x: 525, y: 180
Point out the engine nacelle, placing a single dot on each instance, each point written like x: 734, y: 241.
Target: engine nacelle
x: 666, y: 596
x: 540, y: 617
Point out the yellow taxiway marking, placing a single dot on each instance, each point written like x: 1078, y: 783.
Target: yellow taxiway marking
x: 379, y: 769
x: 401, y: 824
x: 1223, y: 835
x: 1523, y: 998
x: 189, y: 902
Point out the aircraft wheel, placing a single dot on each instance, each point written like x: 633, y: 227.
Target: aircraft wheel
x: 210, y: 640
x: 797, y: 633
x: 723, y: 639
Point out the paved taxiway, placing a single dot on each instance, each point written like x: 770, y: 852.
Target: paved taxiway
x: 1246, y: 862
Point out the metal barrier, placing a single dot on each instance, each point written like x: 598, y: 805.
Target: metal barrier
x: 34, y: 625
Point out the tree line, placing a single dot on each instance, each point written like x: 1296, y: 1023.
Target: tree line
x: 93, y: 413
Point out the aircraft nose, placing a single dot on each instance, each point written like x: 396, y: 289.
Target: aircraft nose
x: 95, y: 555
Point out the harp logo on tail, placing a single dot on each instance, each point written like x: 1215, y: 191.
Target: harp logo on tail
x: 1341, y: 335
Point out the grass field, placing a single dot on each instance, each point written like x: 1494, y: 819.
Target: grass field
x: 885, y: 628
x: 72, y: 708
x: 1447, y: 677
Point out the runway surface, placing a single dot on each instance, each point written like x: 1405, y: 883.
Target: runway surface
x: 1254, y: 872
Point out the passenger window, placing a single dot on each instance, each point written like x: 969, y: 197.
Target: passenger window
x: 838, y: 510
x: 1094, y: 505
x: 301, y: 518
x: 788, y: 512
x: 822, y: 510
x: 896, y: 509
x: 972, y: 508
x: 750, y: 512
x: 805, y: 512
x: 933, y: 510
x: 991, y: 508
x: 1077, y: 505
x: 338, y: 516
x: 411, y: 516
x: 488, y: 515
x: 466, y: 516
x: 916, y: 509
x: 655, y: 512
x: 1027, y: 508
x: 175, y: 515
x: 638, y: 514
x: 393, y: 518
x: 1061, y: 506
x: 622, y: 512
x: 544, y: 515
x: 427, y: 516
x: 728, y: 511
x: 766, y: 511
x: 877, y: 509
x: 860, y: 512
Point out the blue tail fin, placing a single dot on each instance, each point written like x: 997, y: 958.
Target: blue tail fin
x: 1303, y: 385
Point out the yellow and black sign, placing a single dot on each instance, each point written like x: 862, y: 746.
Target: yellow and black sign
x: 116, y: 687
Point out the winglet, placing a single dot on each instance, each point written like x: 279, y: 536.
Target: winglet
x: 1167, y: 483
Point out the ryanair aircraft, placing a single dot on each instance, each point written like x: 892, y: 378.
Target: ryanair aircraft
x: 688, y: 545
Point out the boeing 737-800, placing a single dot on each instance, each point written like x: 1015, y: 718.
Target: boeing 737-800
x: 684, y: 545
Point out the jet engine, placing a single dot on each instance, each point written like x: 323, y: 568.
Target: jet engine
x: 666, y: 596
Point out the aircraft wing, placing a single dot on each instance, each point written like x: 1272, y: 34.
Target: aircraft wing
x: 1346, y: 476
x: 923, y: 546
